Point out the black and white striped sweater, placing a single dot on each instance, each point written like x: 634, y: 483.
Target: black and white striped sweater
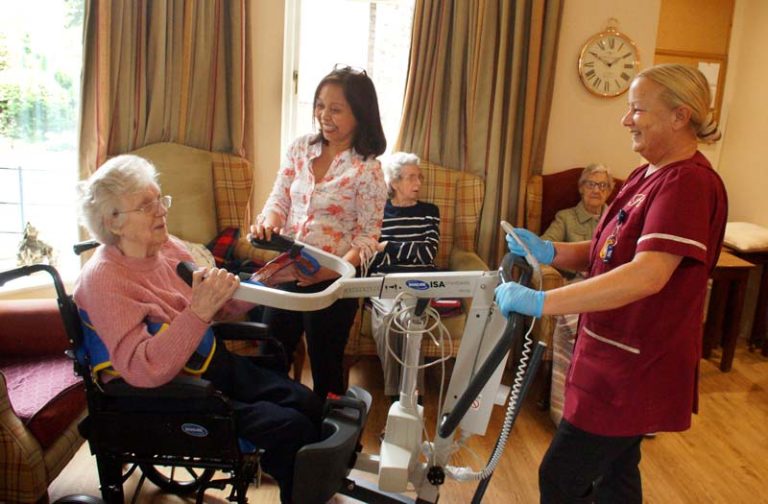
x: 412, y: 234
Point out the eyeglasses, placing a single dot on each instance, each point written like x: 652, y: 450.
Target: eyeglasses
x: 599, y: 185
x: 151, y: 207
x: 340, y: 67
x: 413, y: 178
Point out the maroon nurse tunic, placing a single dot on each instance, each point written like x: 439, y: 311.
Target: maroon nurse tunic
x: 635, y: 368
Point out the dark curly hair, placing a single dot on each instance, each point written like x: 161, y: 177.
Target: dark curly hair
x: 360, y: 93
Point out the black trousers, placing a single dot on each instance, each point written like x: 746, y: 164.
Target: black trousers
x: 327, y: 332
x: 583, y: 467
x: 274, y: 413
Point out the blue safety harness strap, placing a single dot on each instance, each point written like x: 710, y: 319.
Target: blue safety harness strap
x: 95, y: 353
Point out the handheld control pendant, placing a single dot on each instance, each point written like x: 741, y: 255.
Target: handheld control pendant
x: 507, y: 227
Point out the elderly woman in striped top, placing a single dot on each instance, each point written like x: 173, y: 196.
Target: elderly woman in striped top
x: 410, y: 234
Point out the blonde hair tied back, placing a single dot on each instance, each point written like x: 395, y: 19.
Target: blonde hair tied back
x: 686, y: 86
x: 709, y: 132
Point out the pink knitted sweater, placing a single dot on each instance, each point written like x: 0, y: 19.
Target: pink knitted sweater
x: 120, y: 294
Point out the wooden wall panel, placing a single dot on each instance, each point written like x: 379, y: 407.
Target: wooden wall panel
x: 702, y: 26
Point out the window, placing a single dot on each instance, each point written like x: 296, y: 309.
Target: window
x: 370, y: 34
x: 40, y: 63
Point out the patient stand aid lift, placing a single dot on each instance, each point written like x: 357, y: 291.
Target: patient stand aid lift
x: 474, y: 382
x: 470, y: 395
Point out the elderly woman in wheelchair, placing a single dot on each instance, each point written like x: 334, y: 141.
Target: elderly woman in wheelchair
x: 145, y: 325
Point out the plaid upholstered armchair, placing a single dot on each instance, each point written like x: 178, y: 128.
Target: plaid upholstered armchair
x: 211, y: 193
x: 41, y: 399
x: 459, y: 196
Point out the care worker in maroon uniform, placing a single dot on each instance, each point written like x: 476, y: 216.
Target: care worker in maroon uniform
x: 636, y: 360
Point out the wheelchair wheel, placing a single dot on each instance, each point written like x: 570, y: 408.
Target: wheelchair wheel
x: 177, y: 479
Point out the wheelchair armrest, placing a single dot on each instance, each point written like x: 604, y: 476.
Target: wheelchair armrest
x: 270, y: 351
x: 240, y: 330
x: 181, y: 387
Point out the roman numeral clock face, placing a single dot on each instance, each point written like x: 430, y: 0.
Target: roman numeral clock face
x: 608, y: 63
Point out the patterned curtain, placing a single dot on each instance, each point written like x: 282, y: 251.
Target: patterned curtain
x: 478, y: 97
x: 165, y: 71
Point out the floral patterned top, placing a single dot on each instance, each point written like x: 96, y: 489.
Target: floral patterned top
x: 342, y: 211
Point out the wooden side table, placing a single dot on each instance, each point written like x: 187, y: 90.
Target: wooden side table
x: 759, y: 338
x: 726, y: 302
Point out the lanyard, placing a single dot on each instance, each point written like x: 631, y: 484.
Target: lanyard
x: 606, y: 253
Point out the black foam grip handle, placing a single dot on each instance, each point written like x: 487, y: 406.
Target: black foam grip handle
x: 84, y: 246
x: 185, y: 270
x: 278, y: 243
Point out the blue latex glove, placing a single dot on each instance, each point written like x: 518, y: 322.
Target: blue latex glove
x: 514, y: 298
x: 542, y: 250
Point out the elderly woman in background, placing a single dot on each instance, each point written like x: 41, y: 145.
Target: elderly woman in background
x: 636, y: 360
x: 578, y: 223
x: 154, y: 326
x: 410, y: 235
x: 329, y: 193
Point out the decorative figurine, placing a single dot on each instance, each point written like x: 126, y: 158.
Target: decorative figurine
x: 34, y: 251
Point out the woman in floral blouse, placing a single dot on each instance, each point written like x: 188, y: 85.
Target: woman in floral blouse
x: 329, y: 193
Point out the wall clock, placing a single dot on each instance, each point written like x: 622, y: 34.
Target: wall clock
x: 608, y: 62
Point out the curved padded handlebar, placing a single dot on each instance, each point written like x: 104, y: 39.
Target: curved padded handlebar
x: 84, y: 246
x: 267, y: 296
x: 277, y: 242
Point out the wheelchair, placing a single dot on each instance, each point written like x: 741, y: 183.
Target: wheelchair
x: 183, y: 434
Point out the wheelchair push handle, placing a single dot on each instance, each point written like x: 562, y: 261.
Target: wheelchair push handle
x: 7, y: 276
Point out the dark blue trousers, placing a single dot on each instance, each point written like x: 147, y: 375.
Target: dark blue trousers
x: 274, y: 413
x: 580, y: 467
x: 327, y: 332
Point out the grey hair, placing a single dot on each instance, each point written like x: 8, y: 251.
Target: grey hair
x: 686, y: 86
x: 393, y: 168
x: 596, y: 168
x: 99, y: 195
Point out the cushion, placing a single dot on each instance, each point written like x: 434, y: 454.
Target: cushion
x: 200, y: 253
x: 186, y: 174
x: 45, y: 393
x: 223, y: 246
x: 31, y: 327
x: 746, y: 237
x: 563, y: 342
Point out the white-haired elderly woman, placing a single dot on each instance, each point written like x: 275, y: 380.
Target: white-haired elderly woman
x: 636, y: 360
x: 154, y: 326
x: 410, y: 234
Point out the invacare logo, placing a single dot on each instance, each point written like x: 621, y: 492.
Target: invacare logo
x: 194, y: 430
x: 422, y: 285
